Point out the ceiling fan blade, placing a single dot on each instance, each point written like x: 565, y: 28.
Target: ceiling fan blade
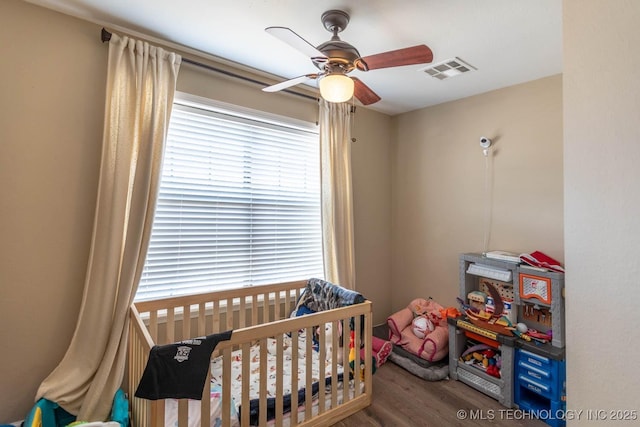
x: 420, y: 54
x: 294, y: 40
x: 288, y: 83
x: 363, y: 93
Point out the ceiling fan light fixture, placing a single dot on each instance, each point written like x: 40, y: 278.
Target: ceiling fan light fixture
x: 336, y: 87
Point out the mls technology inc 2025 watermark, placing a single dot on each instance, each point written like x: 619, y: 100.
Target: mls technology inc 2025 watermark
x: 546, y: 414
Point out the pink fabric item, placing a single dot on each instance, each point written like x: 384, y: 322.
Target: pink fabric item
x: 435, y: 344
x: 380, y: 349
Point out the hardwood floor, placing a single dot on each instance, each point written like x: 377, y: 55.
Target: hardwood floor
x: 401, y: 399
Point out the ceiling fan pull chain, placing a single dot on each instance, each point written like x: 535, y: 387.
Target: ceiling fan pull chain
x: 352, y: 111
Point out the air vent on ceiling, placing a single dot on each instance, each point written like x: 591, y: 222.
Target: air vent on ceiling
x: 449, y: 68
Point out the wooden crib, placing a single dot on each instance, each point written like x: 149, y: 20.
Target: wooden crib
x: 257, y: 315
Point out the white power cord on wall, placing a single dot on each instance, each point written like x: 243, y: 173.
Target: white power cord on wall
x: 485, y: 143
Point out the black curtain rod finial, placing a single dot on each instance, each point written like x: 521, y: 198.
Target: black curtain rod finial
x: 105, y: 35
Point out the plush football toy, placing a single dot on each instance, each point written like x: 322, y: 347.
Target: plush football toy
x: 422, y: 326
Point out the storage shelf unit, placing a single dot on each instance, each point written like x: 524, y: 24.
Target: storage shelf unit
x: 532, y: 375
x: 501, y: 388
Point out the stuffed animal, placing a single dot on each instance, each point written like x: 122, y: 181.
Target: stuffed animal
x: 425, y: 309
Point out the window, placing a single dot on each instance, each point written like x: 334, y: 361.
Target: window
x: 238, y: 205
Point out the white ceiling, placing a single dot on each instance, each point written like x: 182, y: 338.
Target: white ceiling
x: 508, y: 41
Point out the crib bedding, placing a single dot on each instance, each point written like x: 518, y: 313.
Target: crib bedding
x: 321, y: 374
x: 300, y: 412
x: 171, y: 410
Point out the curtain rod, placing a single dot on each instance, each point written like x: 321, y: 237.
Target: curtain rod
x: 106, y: 36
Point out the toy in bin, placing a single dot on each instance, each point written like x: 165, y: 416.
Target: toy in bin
x: 477, y: 299
x: 483, y: 357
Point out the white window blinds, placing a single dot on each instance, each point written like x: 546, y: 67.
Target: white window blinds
x: 239, y: 204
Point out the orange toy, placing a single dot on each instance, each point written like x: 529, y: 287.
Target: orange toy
x: 450, y: 312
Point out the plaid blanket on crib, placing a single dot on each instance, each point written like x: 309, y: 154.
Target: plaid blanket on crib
x: 320, y: 295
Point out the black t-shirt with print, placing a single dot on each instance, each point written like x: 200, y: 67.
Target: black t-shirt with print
x: 179, y: 370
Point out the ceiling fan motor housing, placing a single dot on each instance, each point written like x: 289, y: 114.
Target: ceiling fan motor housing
x: 335, y: 21
x: 340, y: 54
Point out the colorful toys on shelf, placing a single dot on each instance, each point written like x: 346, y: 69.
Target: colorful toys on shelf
x: 483, y: 357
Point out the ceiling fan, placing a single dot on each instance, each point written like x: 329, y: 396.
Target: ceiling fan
x: 336, y: 59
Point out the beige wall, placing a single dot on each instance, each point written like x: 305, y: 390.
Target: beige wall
x: 438, y: 184
x: 602, y: 205
x: 371, y: 175
x: 51, y: 115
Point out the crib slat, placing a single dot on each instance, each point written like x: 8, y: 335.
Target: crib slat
x: 322, y: 364
x: 153, y: 325
x: 266, y: 312
x: 294, y: 378
x: 205, y: 403
x: 308, y: 393
x: 368, y: 345
x: 346, y: 333
x: 334, y: 363
x: 154, y: 418
x: 279, y: 380
x: 215, y: 317
x: 289, y: 303
x: 246, y: 358
x: 139, y: 369
x: 243, y: 313
x: 141, y: 344
x: 226, y: 386
x: 171, y: 325
x: 254, y: 309
x: 186, y: 322
x: 159, y: 414
x: 202, y: 329
x: 263, y: 382
x: 229, y: 317
x: 276, y: 312
x: 183, y: 413
x: 356, y: 364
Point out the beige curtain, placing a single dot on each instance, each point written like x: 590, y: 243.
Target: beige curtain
x: 337, y: 199
x: 141, y: 84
